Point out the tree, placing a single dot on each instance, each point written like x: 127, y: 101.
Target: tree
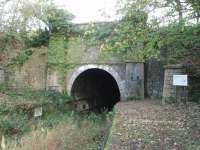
x: 176, y: 6
x: 34, y: 21
x: 195, y: 4
x: 132, y: 37
x: 57, y: 20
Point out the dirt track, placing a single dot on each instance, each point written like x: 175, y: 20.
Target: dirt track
x: 147, y: 125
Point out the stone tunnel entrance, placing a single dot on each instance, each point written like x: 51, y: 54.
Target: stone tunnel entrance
x: 97, y: 88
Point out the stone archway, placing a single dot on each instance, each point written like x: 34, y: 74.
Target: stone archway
x: 106, y: 68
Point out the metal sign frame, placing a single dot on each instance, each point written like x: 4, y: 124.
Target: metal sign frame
x: 180, y: 80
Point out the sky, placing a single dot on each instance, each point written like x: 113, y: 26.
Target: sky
x: 90, y: 10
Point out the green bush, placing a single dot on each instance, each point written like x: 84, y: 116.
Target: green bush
x: 41, y: 39
x: 14, y: 123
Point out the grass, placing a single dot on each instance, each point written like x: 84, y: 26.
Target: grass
x: 72, y: 131
x: 27, y: 95
x: 17, y: 108
x: 59, y: 128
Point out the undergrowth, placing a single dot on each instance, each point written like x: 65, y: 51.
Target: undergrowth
x: 63, y: 131
x: 58, y: 128
x: 17, y: 108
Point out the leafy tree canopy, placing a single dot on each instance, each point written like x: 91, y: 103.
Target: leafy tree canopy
x: 34, y: 21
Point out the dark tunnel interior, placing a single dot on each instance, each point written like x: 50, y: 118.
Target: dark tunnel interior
x: 98, y: 88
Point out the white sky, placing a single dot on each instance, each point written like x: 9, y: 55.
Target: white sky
x: 89, y: 10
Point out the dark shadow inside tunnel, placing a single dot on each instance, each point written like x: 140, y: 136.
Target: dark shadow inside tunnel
x: 96, y: 87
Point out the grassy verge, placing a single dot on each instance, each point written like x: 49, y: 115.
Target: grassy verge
x: 17, y: 108
x: 59, y: 128
x: 63, y: 131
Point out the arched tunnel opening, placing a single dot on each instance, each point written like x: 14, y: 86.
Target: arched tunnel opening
x: 97, y: 88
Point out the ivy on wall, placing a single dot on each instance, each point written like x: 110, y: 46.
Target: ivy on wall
x: 57, y: 50
x: 21, y: 57
x: 57, y: 53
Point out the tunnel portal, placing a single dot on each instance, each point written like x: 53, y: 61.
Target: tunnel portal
x: 97, y: 87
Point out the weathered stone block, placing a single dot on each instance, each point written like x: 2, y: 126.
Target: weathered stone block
x: 171, y: 92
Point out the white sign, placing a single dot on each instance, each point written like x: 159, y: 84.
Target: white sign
x: 38, y: 112
x: 180, y: 80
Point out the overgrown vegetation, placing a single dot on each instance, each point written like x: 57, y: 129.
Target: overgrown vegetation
x: 58, y: 126
x: 21, y: 57
x: 21, y: 96
x: 172, y: 37
x: 61, y: 130
x: 17, y: 107
x: 139, y: 35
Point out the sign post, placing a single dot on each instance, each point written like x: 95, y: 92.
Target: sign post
x: 180, y: 80
x: 38, y: 112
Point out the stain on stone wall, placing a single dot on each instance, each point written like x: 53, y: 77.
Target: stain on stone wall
x: 81, y: 51
x: 54, y: 81
x: 135, y: 80
x: 32, y: 74
x: 154, y: 79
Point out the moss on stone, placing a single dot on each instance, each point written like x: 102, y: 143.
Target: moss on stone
x: 57, y: 50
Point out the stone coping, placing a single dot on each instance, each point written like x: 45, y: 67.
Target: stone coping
x: 131, y: 61
x: 98, y: 63
x: 108, y: 63
x: 174, y: 66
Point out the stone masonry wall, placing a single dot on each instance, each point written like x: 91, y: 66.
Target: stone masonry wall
x: 32, y: 74
x: 154, y: 79
x: 134, y: 80
x: 55, y: 81
x: 171, y: 92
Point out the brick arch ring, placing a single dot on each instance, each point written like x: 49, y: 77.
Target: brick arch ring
x: 106, y: 68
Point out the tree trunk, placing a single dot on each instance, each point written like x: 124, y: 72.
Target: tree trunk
x: 198, y: 17
x: 179, y: 9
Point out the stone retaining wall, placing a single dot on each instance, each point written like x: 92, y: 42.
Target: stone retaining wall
x: 171, y: 92
x: 32, y: 74
x: 154, y: 79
